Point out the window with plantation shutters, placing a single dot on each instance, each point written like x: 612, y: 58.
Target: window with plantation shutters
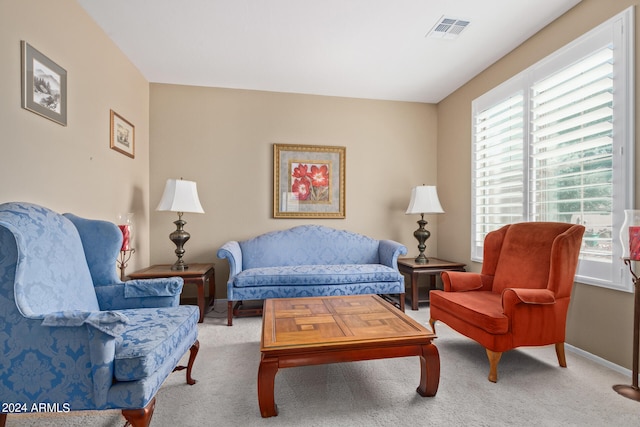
x: 555, y: 143
x: 498, y: 167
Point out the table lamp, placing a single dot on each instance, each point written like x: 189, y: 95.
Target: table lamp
x: 424, y: 200
x: 180, y: 196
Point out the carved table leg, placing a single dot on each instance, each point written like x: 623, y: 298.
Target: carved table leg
x: 266, y: 381
x: 429, y: 371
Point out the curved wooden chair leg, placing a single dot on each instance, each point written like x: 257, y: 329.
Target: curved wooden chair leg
x: 562, y: 360
x: 140, y: 417
x: 193, y: 352
x: 432, y: 323
x: 494, y: 358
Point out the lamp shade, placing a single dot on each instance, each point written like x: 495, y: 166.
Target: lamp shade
x: 180, y: 196
x: 424, y: 200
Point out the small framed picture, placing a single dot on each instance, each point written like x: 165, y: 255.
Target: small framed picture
x: 44, y: 85
x: 123, y: 135
x: 308, y: 181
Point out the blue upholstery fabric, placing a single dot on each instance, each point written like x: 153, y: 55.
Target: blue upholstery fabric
x: 311, y: 260
x: 309, y: 275
x: 143, y: 349
x: 60, y: 342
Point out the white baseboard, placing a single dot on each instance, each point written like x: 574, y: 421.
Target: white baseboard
x: 599, y: 360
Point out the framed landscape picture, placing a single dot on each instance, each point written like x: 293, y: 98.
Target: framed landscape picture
x: 308, y: 181
x: 44, y: 85
x: 122, y: 135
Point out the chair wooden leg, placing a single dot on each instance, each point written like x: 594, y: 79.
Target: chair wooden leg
x: 494, y: 358
x: 432, y: 322
x: 193, y: 352
x: 230, y: 313
x: 3, y: 419
x: 560, y: 353
x: 140, y: 417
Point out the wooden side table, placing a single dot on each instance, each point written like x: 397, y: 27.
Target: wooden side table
x: 433, y: 267
x: 197, y: 274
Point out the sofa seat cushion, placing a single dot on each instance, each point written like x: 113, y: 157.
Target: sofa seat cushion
x: 311, y: 275
x: 150, y: 338
x: 480, y: 308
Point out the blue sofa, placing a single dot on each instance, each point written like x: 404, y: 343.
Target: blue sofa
x: 310, y: 260
x: 72, y: 335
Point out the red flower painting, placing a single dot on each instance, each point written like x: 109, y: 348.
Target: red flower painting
x: 310, y: 182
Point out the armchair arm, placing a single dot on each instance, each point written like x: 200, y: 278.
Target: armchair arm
x: 461, y: 281
x: 109, y: 322
x: 143, y: 293
x: 233, y: 253
x: 389, y: 251
x: 513, y: 296
x: 92, y: 336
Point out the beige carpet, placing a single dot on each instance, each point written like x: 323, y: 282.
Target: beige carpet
x: 531, y: 391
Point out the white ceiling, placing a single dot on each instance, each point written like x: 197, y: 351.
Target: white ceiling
x: 373, y: 49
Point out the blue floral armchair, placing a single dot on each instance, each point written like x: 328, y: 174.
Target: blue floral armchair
x: 72, y: 335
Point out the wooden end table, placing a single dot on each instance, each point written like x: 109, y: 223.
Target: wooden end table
x: 196, y: 274
x: 318, y: 330
x: 433, y: 267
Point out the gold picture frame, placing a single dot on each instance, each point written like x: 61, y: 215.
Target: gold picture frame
x: 308, y: 181
x: 122, y: 135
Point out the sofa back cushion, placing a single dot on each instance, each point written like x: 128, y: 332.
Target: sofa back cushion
x: 51, y: 273
x: 525, y: 256
x: 308, y: 245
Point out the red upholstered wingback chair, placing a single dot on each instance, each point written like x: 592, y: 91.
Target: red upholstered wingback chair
x: 521, y: 297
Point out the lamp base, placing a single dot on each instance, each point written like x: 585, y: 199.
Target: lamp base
x: 179, y: 266
x: 179, y: 238
x: 421, y: 234
x: 421, y: 259
x: 628, y: 391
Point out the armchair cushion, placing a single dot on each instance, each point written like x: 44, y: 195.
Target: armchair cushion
x: 482, y: 309
x: 150, y: 338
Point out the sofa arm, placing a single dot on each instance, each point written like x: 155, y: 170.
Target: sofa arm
x: 143, y: 293
x: 232, y: 252
x: 461, y: 281
x: 389, y: 251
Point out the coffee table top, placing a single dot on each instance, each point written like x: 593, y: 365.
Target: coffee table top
x: 337, y: 322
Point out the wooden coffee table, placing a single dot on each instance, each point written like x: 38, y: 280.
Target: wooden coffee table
x: 314, y: 331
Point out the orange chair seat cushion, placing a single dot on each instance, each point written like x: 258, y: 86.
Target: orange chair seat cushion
x: 480, y: 308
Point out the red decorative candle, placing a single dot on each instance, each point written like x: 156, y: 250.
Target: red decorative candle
x: 634, y: 243
x: 125, y: 237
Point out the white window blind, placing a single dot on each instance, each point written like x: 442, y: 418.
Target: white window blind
x: 498, y: 173
x: 572, y: 150
x: 555, y: 144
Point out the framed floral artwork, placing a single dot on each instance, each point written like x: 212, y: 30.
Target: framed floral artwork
x: 44, y: 85
x: 123, y: 135
x: 308, y: 181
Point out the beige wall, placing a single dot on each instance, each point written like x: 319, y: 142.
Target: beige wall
x: 600, y: 320
x: 223, y: 139
x: 72, y: 168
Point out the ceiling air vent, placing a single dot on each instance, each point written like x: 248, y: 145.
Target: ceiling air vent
x: 448, y: 28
